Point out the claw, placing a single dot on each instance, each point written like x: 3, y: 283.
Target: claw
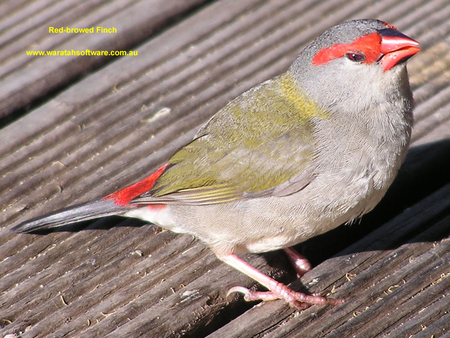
x: 239, y: 289
x: 250, y: 295
x: 295, y: 299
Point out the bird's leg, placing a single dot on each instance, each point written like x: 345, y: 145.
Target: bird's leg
x: 299, y: 262
x: 276, y: 289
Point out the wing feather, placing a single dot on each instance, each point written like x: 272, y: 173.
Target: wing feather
x: 260, y: 144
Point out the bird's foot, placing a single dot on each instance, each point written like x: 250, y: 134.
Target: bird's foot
x: 293, y: 298
x: 276, y: 289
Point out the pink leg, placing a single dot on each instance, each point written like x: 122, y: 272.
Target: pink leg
x: 299, y: 262
x: 276, y: 289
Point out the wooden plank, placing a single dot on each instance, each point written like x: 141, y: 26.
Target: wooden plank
x: 386, y: 282
x: 116, y: 124
x: 26, y: 78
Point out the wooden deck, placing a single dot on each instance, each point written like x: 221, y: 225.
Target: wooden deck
x: 78, y: 127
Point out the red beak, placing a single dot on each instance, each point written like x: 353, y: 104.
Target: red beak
x: 396, y: 47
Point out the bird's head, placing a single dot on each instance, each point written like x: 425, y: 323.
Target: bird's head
x: 357, y: 63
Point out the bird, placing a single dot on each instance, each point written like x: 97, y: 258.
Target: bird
x: 291, y: 158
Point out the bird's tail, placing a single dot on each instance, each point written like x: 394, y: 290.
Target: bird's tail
x: 82, y: 212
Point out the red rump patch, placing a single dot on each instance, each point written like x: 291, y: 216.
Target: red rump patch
x: 369, y: 44
x: 125, y: 195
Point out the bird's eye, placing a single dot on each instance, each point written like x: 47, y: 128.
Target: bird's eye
x: 356, y: 56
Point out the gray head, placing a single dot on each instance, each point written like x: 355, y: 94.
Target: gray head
x: 355, y: 65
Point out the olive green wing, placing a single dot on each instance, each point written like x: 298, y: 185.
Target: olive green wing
x: 260, y: 144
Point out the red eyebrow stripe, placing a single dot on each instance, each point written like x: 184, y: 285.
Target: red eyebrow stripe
x: 369, y: 44
x: 388, y: 25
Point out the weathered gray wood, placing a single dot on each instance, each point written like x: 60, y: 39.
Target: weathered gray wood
x: 386, y: 287
x: 27, y: 78
x: 120, y: 277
